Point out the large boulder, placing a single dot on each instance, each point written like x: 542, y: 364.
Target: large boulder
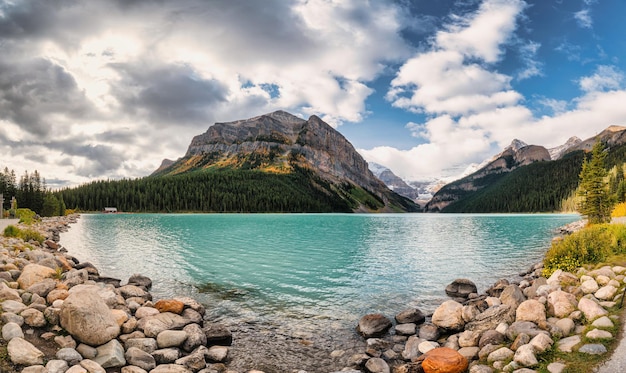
x: 411, y: 315
x: 561, y: 303
x: 591, y: 309
x: 88, y: 319
x: 444, y: 360
x: 33, y: 273
x: 449, y: 316
x: 23, y: 352
x: 461, y: 288
x: 531, y: 310
x: 373, y: 325
x: 491, y: 318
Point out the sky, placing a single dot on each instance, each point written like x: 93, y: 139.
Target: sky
x: 106, y: 89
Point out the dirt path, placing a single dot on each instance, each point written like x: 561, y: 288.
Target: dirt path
x: 5, y: 222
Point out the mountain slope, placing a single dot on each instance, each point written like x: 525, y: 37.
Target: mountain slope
x: 393, y: 181
x: 280, y: 144
x: 525, y: 180
x: 516, y: 155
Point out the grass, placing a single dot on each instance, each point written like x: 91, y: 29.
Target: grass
x: 24, y: 234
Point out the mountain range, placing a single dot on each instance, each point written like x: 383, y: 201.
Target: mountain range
x: 524, y: 178
x: 280, y: 143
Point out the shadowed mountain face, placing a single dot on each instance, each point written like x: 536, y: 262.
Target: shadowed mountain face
x: 280, y: 144
x: 526, y: 178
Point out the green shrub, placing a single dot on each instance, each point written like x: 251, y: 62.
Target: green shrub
x: 29, y: 234
x: 11, y: 231
x: 26, y: 234
x: 26, y: 216
x: 591, y: 245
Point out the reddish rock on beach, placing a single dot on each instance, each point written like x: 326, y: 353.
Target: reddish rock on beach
x: 170, y: 305
x: 444, y: 360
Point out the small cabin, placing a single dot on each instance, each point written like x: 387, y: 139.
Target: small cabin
x: 110, y: 210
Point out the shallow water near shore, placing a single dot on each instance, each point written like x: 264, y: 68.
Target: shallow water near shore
x: 292, y: 286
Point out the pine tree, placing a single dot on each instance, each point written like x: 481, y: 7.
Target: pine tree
x: 596, y: 201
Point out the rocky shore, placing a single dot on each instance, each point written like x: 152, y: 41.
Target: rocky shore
x: 60, y: 315
x: 507, y: 329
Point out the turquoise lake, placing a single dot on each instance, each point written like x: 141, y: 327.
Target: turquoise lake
x: 310, y: 272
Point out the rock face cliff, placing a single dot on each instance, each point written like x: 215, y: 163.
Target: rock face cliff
x: 282, y: 143
x: 516, y: 155
x: 393, y: 181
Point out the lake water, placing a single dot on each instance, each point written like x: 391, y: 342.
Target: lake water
x: 298, y: 283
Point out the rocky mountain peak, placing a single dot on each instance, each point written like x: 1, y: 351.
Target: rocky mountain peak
x: 516, y: 145
x: 557, y: 152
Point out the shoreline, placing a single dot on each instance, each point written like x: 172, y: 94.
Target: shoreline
x: 385, y: 351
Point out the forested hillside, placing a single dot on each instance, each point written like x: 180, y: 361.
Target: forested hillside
x: 538, y: 187
x: 221, y: 191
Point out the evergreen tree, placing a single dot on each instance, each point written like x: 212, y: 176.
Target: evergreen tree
x: 50, y: 205
x: 596, y: 201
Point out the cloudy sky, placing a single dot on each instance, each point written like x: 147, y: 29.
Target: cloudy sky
x: 93, y: 89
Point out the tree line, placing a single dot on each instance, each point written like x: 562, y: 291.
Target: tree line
x: 210, y: 191
x: 30, y: 192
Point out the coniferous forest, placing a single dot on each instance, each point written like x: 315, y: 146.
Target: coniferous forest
x: 218, y: 191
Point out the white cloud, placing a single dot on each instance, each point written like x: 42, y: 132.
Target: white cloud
x: 157, y: 69
x: 583, y: 18
x: 471, y: 109
x: 605, y: 78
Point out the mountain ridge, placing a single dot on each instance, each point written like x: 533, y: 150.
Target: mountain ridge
x: 281, y: 143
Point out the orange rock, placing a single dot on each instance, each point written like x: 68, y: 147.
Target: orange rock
x: 170, y: 305
x: 444, y: 360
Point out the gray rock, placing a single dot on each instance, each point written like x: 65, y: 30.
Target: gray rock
x: 501, y: 354
x: 110, y: 355
x: 217, y: 334
x: 429, y: 332
x: 70, y: 355
x: 35, y: 369
x: 568, y: 344
x: 132, y: 369
x: 603, y: 322
x: 461, y: 288
x: 411, y: 315
x: 566, y: 325
x: 491, y: 337
x: 217, y: 354
x: 8, y: 317
x: 148, y: 345
x: 42, y: 288
x: 52, y: 315
x: 593, y: 349
x: 170, y: 368
x: 33, y: 318
x: 171, y: 338
x: 541, y: 342
x: 411, y: 348
x: 491, y: 318
x: 377, y: 365
x: 57, y: 366
x: 86, y: 351
x: 13, y: 306
x: 480, y: 369
x: 153, y: 325
x: 556, y: 367
x: 6, y: 293
x: 470, y: 353
x: 195, y: 360
x: 140, y: 280
x: 192, y: 303
x: 373, y: 325
x: 526, y: 327
x: 23, y: 352
x: 512, y: 296
x: 195, y: 337
x: 132, y: 291
x: 525, y: 356
x: 449, y: 316
x: 192, y: 316
x: 88, y: 319
x: 599, y: 334
x: 561, y: 303
x: 140, y: 358
x: 92, y: 366
x: 65, y: 341
x: 406, y: 329
x: 11, y: 330
x: 166, y: 355
x: 591, y: 309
